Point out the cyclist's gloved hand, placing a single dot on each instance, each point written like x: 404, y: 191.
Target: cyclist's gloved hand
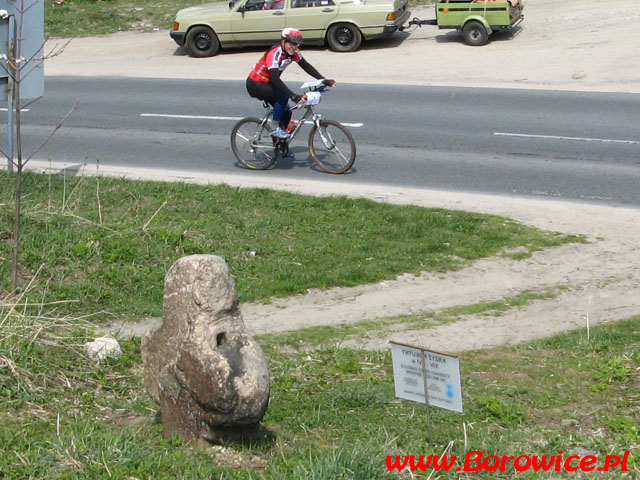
x: 296, y: 98
x: 329, y: 82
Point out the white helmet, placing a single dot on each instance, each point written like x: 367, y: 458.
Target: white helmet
x: 292, y: 35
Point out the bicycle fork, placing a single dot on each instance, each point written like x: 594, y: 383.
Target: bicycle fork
x: 324, y: 134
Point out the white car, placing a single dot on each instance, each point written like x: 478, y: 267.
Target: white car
x: 204, y: 29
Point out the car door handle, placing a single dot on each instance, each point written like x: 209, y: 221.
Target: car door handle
x: 327, y: 10
x: 278, y: 12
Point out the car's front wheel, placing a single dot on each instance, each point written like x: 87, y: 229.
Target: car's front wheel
x: 344, y: 37
x: 202, y: 42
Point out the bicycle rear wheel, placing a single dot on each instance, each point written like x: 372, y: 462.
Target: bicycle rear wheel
x: 332, y: 147
x: 252, y: 144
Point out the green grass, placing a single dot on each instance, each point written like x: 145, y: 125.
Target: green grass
x: 333, y: 412
x: 103, y: 246
x: 82, y: 18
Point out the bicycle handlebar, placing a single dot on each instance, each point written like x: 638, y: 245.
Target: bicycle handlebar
x: 321, y: 87
x: 326, y: 84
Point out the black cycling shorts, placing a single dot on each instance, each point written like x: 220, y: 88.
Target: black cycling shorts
x: 262, y: 91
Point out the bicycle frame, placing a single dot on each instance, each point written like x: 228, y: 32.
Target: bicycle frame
x: 316, y: 118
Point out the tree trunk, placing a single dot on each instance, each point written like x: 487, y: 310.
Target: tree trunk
x: 16, y: 230
x: 19, y: 168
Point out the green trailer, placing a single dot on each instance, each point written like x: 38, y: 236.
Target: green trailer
x: 475, y: 20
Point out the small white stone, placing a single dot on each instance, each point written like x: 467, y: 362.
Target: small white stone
x: 103, y: 347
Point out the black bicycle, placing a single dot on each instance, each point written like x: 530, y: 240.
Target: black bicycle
x: 330, y: 144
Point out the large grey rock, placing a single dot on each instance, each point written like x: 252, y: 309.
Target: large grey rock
x: 203, y: 368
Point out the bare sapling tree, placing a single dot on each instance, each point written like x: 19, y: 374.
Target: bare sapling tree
x: 18, y: 68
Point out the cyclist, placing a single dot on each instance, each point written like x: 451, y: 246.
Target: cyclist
x: 264, y: 82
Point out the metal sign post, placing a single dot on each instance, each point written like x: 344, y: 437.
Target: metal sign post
x: 439, y: 372
x: 426, y: 397
x: 21, y: 58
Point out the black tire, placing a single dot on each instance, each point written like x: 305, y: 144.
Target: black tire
x: 202, y: 42
x: 252, y: 144
x: 344, y: 37
x: 475, y: 34
x: 332, y: 147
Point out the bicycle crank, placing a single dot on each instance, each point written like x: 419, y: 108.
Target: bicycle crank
x: 282, y: 147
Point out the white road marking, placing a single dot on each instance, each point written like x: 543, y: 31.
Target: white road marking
x: 22, y: 110
x: 190, y: 117
x: 558, y: 137
x: 214, y: 117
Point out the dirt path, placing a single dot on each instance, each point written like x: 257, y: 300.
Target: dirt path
x: 586, y: 45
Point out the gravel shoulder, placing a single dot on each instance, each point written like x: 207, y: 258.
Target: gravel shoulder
x: 585, y: 46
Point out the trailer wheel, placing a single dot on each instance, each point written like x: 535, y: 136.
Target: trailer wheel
x: 475, y: 34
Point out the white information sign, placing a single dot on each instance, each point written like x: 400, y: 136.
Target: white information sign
x: 413, y: 367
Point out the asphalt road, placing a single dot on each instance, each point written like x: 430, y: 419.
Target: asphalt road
x: 580, y: 146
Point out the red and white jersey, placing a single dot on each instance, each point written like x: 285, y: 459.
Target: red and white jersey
x: 275, y: 57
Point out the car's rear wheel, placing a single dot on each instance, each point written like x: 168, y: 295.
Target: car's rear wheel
x: 202, y: 42
x: 344, y: 37
x: 475, y: 34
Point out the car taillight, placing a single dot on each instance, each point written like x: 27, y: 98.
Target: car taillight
x: 176, y: 26
x: 391, y: 16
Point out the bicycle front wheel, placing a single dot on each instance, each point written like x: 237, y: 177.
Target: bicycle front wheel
x: 252, y: 144
x: 332, y: 147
